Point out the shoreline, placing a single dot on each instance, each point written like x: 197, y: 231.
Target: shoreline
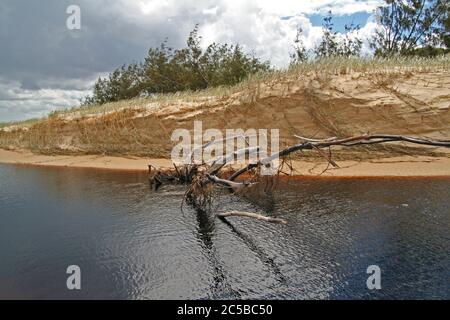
x: 404, y: 166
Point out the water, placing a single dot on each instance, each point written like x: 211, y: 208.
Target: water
x: 132, y: 243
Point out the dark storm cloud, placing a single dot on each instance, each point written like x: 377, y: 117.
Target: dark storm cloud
x: 38, y: 51
x: 36, y: 43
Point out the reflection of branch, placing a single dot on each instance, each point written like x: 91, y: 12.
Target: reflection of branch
x: 206, y: 228
x: 269, y: 262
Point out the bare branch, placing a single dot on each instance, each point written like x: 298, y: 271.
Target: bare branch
x: 351, y: 141
x: 251, y: 215
x: 227, y: 183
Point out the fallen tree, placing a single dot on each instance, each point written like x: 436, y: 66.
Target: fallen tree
x: 203, y: 178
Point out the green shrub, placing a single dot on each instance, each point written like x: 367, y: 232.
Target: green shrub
x: 166, y: 70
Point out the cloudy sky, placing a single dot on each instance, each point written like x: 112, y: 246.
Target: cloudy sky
x: 45, y: 66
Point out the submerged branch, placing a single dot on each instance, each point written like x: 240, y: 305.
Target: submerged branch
x: 251, y: 215
x: 227, y: 183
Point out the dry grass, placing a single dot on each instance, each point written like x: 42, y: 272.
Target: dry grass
x: 20, y: 124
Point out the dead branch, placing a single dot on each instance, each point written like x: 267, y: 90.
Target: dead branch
x: 213, y: 142
x: 314, y: 140
x: 227, y: 183
x: 202, y: 178
x: 221, y: 161
x: 346, y: 142
x: 251, y: 215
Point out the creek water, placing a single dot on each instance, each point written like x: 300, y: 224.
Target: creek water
x: 134, y: 243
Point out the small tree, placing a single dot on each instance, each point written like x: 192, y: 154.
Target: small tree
x: 405, y: 25
x: 328, y: 46
x: 170, y: 70
x: 123, y: 83
x: 334, y: 45
x: 444, y: 33
x: 300, y: 55
x: 351, y: 44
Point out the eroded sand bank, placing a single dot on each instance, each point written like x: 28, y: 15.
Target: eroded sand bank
x: 404, y: 166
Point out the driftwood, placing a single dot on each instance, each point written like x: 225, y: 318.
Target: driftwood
x: 309, y: 144
x: 227, y: 183
x: 251, y: 215
x: 203, y: 177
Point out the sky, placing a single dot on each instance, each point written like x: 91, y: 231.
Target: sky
x: 45, y: 66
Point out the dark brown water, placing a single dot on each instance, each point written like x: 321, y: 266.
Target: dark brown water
x: 132, y: 243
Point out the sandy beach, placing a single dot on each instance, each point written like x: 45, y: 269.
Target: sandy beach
x: 404, y: 166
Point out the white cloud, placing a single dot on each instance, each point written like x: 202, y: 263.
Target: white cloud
x: 268, y: 36
x: 281, y: 7
x: 366, y: 33
x: 211, y: 11
x: 14, y: 100
x: 255, y: 24
x: 259, y: 27
x: 339, y: 7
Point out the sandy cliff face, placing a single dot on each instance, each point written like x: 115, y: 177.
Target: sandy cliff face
x: 321, y: 105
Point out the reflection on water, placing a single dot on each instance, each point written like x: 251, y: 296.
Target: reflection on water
x: 132, y: 243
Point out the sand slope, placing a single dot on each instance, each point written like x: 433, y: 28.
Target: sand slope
x: 317, y: 104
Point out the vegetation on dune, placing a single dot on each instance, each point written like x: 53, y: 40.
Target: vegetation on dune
x: 406, y: 28
x: 382, y: 67
x: 332, y: 46
x: 410, y: 32
x: 22, y: 124
x: 167, y: 70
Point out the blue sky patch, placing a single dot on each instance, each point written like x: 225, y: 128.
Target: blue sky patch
x: 339, y: 21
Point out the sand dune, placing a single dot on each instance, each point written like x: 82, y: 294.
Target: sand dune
x: 326, y: 104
